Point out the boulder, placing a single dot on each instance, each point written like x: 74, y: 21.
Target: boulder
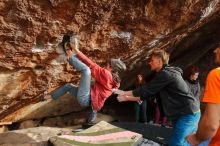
x: 102, y: 134
x: 63, y: 105
x: 29, y: 137
x: 75, y: 118
x: 31, y: 60
x: 29, y: 124
x: 3, y: 129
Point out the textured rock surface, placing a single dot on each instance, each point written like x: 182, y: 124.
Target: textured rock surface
x: 3, y: 129
x: 51, y: 108
x: 30, y: 137
x: 31, y: 31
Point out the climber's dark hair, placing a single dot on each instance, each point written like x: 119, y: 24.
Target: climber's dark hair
x: 191, y: 70
x: 66, y: 39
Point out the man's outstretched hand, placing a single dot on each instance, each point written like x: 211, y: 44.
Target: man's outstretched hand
x: 121, y: 98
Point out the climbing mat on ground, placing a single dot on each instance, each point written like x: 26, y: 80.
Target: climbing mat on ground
x: 101, y: 134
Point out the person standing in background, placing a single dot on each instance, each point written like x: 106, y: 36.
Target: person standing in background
x: 140, y: 107
x: 191, y: 78
x: 209, y: 126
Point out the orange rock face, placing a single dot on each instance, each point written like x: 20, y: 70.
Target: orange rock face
x: 31, y: 60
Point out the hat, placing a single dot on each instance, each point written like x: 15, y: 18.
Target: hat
x: 117, y: 65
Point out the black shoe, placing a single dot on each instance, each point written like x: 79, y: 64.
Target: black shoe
x: 87, y: 125
x: 42, y: 97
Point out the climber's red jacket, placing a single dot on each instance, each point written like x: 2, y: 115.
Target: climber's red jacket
x: 104, y: 83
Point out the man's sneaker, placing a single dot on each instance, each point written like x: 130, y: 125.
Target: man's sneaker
x: 92, y: 117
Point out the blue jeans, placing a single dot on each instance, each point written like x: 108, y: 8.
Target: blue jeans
x: 184, y: 126
x: 82, y: 93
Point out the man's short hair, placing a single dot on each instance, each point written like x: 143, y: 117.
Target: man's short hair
x: 159, y: 53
